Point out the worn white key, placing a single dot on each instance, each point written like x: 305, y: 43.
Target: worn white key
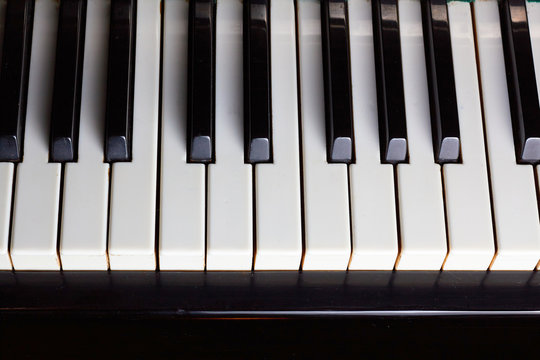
x: 277, y: 185
x: 468, y: 208
x: 421, y: 209
x: 133, y: 184
x: 37, y: 187
x: 83, y: 236
x: 6, y: 181
x: 373, y: 210
x: 326, y: 196
x: 515, y: 208
x: 230, y: 203
x: 182, y: 215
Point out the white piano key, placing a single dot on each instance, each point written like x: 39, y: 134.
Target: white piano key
x: 83, y: 236
x: 6, y: 182
x: 373, y: 210
x: 421, y: 211
x: 6, y: 186
x: 230, y: 204
x: 133, y: 184
x: 182, y: 215
x: 37, y: 187
x: 513, y: 187
x: 326, y: 198
x: 468, y: 208
x: 533, y: 12
x: 277, y: 185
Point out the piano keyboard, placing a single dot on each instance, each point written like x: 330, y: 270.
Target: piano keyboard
x: 269, y: 135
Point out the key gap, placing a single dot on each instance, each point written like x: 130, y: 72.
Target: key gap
x: 160, y: 122
x: 349, y: 185
x: 254, y: 214
x: 536, y: 183
x: 110, y: 171
x: 398, y: 219
x: 529, y: 282
x: 445, y: 217
x: 60, y: 209
x: 482, y: 110
x: 300, y: 136
x: 13, y: 187
x: 536, y: 186
x: 205, y: 214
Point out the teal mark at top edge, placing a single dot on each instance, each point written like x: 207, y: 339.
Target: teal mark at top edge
x: 470, y: 1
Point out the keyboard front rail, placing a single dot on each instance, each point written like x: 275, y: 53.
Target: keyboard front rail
x: 286, y: 294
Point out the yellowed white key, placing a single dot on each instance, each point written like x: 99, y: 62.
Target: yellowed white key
x: 373, y: 210
x: 515, y: 209
x: 230, y: 202
x: 277, y: 185
x: 326, y: 196
x: 182, y: 215
x: 471, y: 245
x: 37, y: 187
x: 421, y: 208
x: 132, y: 214
x: 83, y: 229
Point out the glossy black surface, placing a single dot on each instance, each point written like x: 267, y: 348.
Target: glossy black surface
x: 257, y: 82
x: 162, y: 315
x: 17, y: 46
x: 389, y: 71
x: 442, y: 87
x: 281, y: 294
x: 121, y: 80
x: 66, y: 106
x: 201, y: 81
x: 520, y: 75
x: 337, y: 81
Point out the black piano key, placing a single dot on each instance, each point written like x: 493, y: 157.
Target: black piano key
x: 442, y: 87
x: 120, y: 82
x: 389, y: 72
x: 257, y: 82
x: 66, y: 106
x: 201, y: 81
x: 520, y: 75
x: 337, y: 81
x: 14, y: 77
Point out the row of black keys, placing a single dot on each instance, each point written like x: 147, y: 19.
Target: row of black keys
x: 257, y: 81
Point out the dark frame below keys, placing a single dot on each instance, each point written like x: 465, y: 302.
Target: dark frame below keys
x: 274, y: 294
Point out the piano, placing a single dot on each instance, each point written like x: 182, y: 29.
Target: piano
x: 269, y: 159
